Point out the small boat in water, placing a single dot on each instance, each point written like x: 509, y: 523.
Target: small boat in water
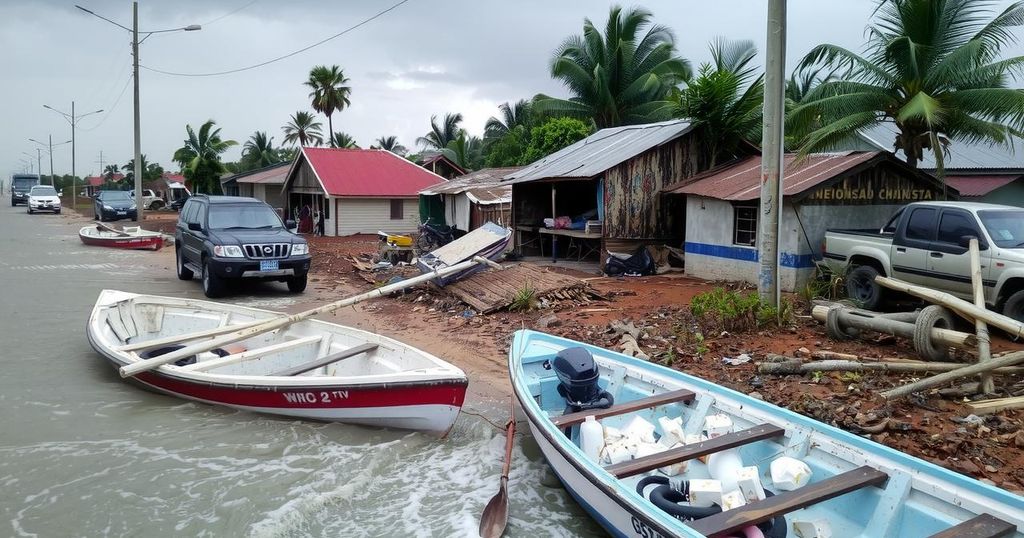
x: 131, y: 237
x: 488, y: 241
x: 310, y: 369
x: 650, y: 451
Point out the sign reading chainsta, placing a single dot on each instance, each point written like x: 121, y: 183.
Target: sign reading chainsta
x: 863, y: 189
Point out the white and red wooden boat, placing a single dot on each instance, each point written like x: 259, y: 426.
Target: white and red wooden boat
x: 310, y: 369
x: 131, y: 237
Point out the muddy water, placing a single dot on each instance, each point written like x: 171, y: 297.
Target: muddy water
x: 83, y: 453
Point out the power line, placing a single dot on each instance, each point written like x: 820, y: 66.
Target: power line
x: 279, y: 58
x: 230, y: 13
x: 111, y: 109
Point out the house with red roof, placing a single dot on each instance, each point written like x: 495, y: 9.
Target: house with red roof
x: 93, y: 184
x: 358, y: 191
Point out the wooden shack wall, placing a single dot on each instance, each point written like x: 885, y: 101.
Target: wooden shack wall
x: 633, y: 205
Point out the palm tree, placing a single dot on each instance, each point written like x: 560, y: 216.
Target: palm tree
x: 724, y: 102
x: 390, y: 143
x: 343, y: 140
x: 512, y: 116
x: 465, y: 151
x: 259, y: 151
x: 440, y: 135
x: 150, y: 171
x: 329, y: 92
x: 200, y: 157
x: 109, y: 171
x: 620, y: 78
x: 304, y: 129
x: 931, y: 67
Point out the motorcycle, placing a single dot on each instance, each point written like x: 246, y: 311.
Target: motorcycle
x: 432, y: 236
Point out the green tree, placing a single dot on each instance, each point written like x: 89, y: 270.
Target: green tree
x: 390, y: 143
x: 506, y: 138
x: 199, y: 157
x: 258, y: 152
x: 934, y: 68
x: 724, y: 101
x: 150, y: 171
x: 109, y: 171
x: 343, y: 140
x: 330, y: 92
x: 622, y: 77
x: 303, y: 129
x: 553, y: 135
x: 442, y: 134
x: 465, y: 151
x: 512, y: 116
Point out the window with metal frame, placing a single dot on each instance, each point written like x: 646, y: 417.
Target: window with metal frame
x: 953, y: 225
x: 744, y: 229
x: 921, y: 224
x: 397, y: 209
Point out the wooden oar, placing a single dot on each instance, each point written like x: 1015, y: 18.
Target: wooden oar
x: 102, y: 226
x: 495, y: 516
x: 277, y: 323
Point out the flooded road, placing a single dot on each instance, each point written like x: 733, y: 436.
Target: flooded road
x: 83, y: 453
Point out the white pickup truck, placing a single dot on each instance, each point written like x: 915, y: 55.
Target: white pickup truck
x: 925, y: 243
x: 150, y: 200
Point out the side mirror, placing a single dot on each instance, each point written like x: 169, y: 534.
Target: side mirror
x: 290, y: 224
x: 965, y: 242
x: 195, y: 226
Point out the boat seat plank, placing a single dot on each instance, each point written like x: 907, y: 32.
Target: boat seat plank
x: 695, y: 450
x: 334, y: 357
x: 731, y: 521
x: 983, y: 526
x: 255, y: 353
x: 681, y: 395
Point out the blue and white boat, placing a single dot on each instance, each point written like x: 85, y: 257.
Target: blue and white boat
x: 856, y: 487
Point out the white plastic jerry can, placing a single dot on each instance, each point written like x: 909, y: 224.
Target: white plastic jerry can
x: 591, y: 438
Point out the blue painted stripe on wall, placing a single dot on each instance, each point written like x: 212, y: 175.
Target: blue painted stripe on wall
x: 786, y: 259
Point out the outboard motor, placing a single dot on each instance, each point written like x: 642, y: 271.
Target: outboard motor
x: 578, y: 380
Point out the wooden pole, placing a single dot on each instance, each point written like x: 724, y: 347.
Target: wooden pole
x: 961, y: 307
x: 1006, y: 360
x: 797, y: 367
x: 946, y: 337
x: 984, y: 352
x: 134, y: 368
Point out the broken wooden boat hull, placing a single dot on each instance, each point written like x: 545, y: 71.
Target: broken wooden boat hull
x: 488, y: 241
x: 136, y: 239
x: 374, y: 380
x: 858, y: 488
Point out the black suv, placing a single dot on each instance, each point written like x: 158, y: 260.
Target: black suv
x: 114, y: 205
x: 229, y: 237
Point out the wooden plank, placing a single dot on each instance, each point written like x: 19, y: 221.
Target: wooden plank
x: 695, y: 450
x: 255, y: 353
x: 987, y: 407
x: 734, y: 520
x: 324, y: 361
x: 681, y: 395
x: 983, y: 526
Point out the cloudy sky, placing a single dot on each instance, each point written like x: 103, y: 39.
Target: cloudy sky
x: 423, y: 58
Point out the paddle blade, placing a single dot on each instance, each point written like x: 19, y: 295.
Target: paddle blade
x: 495, y: 516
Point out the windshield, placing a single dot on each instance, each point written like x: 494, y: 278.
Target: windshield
x: 43, y: 191
x: 24, y: 183
x: 114, y: 196
x: 243, y: 217
x: 1005, y: 227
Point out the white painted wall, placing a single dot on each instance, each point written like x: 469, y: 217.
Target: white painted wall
x: 368, y: 215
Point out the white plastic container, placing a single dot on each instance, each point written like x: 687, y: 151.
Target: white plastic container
x: 733, y: 499
x: 749, y: 482
x: 717, y: 425
x: 640, y: 430
x: 617, y: 453
x: 591, y: 438
x: 725, y: 466
x: 814, y: 528
x: 674, y: 469
x: 790, y: 473
x: 705, y: 493
x: 671, y: 432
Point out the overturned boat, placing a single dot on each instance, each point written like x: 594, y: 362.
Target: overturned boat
x: 488, y: 241
x: 130, y: 237
x: 307, y: 369
x: 649, y: 451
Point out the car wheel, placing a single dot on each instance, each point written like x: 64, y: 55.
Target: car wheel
x: 184, y: 273
x: 862, y: 288
x: 28, y: 210
x: 57, y: 212
x: 213, y: 286
x: 297, y: 284
x: 1013, y: 307
x: 156, y: 206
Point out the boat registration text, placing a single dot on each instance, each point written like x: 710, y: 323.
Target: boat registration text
x: 315, y: 397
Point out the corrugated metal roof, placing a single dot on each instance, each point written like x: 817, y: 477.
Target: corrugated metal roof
x: 600, y: 151
x: 483, y: 186
x: 274, y: 174
x: 979, y: 185
x: 959, y: 156
x: 368, y: 172
x: 741, y: 180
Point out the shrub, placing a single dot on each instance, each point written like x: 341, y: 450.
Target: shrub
x: 728, y: 310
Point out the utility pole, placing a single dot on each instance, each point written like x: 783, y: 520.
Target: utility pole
x: 771, y: 155
x: 135, y: 82
x: 73, y: 119
x: 53, y: 181
x: 102, y: 169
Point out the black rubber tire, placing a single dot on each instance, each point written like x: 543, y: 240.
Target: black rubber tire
x: 57, y: 212
x: 931, y: 316
x: 213, y: 286
x: 297, y: 284
x: 156, y: 205
x: 1013, y: 306
x: 833, y: 328
x: 862, y: 288
x: 184, y: 273
x: 29, y: 210
x: 424, y: 244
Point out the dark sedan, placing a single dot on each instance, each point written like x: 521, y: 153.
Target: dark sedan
x: 114, y: 205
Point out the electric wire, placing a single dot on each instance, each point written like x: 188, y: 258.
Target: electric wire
x: 110, y: 110
x: 279, y: 58
x: 228, y: 14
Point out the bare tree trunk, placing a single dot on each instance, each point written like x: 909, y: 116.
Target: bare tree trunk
x: 330, y: 129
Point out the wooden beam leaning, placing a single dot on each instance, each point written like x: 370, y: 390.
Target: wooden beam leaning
x: 681, y: 395
x: 695, y: 450
x: 736, y: 519
x: 324, y: 361
x: 983, y: 526
x: 255, y: 353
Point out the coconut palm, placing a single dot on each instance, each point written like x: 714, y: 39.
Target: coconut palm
x: 441, y: 134
x: 465, y: 151
x: 303, y: 129
x: 150, y: 171
x: 512, y: 116
x: 933, y: 68
x: 200, y: 157
x: 622, y: 77
x: 390, y: 143
x: 724, y: 101
x: 343, y: 140
x: 259, y: 151
x: 109, y: 171
x: 329, y: 92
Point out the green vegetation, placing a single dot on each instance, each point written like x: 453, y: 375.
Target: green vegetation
x: 729, y: 310
x: 150, y: 171
x: 303, y: 129
x: 329, y: 94
x: 442, y: 134
x: 554, y: 135
x: 524, y: 300
x: 343, y: 140
x: 826, y: 284
x: 200, y: 157
x: 259, y: 152
x: 390, y: 143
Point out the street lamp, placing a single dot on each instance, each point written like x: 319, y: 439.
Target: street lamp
x: 135, y: 80
x: 39, y: 159
x: 73, y: 119
x: 50, y: 152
